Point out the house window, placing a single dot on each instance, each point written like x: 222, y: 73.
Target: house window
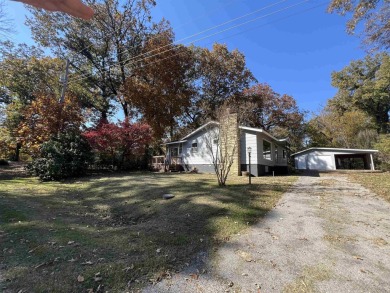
x: 194, y: 146
x: 284, y: 154
x: 267, y: 150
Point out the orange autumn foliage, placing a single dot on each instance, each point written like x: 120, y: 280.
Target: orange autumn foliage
x: 46, y: 117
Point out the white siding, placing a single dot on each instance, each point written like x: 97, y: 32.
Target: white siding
x: 248, y: 140
x: 202, y: 155
x: 255, y: 141
x: 320, y: 162
x: 316, y: 160
x: 300, y: 162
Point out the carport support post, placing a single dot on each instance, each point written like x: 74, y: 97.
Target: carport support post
x: 372, y: 162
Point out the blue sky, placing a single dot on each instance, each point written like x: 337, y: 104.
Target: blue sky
x: 294, y: 50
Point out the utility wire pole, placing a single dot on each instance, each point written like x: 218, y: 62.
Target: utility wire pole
x: 64, y: 82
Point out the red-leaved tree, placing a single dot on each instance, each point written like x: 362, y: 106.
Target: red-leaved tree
x: 119, y: 142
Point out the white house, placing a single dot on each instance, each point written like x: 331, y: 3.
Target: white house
x: 325, y: 159
x: 193, y: 150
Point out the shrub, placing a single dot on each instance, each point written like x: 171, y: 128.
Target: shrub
x: 383, y: 146
x: 3, y: 162
x: 67, y: 155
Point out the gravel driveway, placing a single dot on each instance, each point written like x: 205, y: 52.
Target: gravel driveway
x: 325, y: 235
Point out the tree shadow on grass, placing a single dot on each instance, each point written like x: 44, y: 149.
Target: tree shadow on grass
x: 119, y: 226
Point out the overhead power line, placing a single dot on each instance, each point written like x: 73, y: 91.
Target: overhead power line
x: 180, y: 26
x: 257, y: 27
x: 196, y: 34
x: 197, y: 40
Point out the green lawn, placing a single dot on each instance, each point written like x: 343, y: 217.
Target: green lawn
x: 377, y: 182
x: 119, y: 226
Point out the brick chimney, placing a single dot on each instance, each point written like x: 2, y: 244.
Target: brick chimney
x: 229, y: 125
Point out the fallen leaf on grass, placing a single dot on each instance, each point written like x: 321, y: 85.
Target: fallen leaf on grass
x: 98, y: 277
x: 87, y: 263
x: 128, y: 268
x: 194, y: 276
x: 32, y: 250
x: 245, y: 255
x: 80, y: 279
x: 70, y: 242
x: 43, y: 264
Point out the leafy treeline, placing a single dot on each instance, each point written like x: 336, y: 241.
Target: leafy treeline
x: 124, y: 59
x: 358, y: 115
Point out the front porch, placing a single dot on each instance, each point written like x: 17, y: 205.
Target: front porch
x: 167, y: 164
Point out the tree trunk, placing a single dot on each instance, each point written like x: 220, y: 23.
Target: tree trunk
x: 16, y: 157
x: 125, y: 109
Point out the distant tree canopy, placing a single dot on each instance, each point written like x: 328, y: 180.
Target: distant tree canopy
x: 374, y: 13
x: 351, y: 129
x: 358, y: 115
x: 365, y: 85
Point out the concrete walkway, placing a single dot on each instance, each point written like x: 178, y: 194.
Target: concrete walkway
x: 325, y: 235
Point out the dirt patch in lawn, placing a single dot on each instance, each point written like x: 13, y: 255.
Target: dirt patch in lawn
x: 116, y: 232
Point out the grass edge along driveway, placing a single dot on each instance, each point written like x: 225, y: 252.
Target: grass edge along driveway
x: 115, y: 231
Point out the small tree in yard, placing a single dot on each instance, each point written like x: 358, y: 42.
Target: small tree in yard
x: 222, y: 145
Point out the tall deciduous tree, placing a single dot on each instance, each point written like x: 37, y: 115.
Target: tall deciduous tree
x: 222, y: 75
x: 365, y: 85
x: 374, y: 13
x: 263, y: 107
x: 260, y: 106
x: 103, y: 49
x: 351, y: 129
x: 26, y: 71
x: 161, y: 87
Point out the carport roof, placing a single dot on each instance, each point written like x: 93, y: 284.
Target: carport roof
x: 356, y: 151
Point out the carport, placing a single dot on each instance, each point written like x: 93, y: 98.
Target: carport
x: 323, y: 159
